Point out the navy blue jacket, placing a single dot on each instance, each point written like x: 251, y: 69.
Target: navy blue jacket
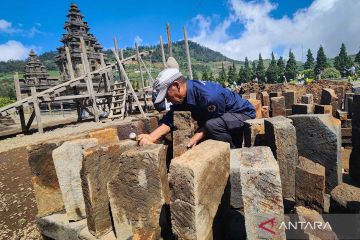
x: 206, y: 100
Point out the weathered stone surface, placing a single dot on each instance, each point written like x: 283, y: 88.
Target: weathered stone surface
x: 281, y: 137
x: 319, y: 139
x: 183, y: 132
x: 125, y: 129
x: 346, y: 101
x: 323, y: 109
x: 257, y: 106
x: 312, y: 217
x: 138, y: 193
x: 310, y: 184
x: 290, y: 98
x: 278, y: 106
x: 265, y: 111
x: 354, y: 163
x: 44, y: 179
x: 275, y: 94
x: 84, y: 234
x: 328, y: 97
x: 345, y: 198
x: 254, y: 133
x: 301, y: 108
x: 197, y: 181
x: 253, y: 95
x: 261, y: 193
x: 98, y: 167
x: 235, y: 195
x: 350, y: 107
x: 105, y: 136
x: 68, y: 162
x: 307, y: 99
x: 265, y: 99
x: 341, y: 115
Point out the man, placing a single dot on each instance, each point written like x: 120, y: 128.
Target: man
x: 220, y: 112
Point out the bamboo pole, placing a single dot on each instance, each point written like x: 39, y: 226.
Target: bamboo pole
x: 139, y: 64
x: 162, y: 51
x: 37, y: 110
x: 18, y: 98
x: 187, y: 53
x: 169, y: 39
x: 69, y: 63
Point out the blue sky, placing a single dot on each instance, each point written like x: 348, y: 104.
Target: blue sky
x: 222, y: 25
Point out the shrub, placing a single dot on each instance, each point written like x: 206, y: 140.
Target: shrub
x: 6, y: 101
x: 330, y: 72
x: 308, y: 73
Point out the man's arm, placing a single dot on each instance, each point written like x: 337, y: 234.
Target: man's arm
x: 198, y: 136
x: 151, y: 138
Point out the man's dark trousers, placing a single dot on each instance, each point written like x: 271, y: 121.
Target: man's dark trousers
x: 227, y: 128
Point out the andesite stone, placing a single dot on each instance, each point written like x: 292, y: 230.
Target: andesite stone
x: 183, y: 132
x: 254, y: 133
x: 278, y: 106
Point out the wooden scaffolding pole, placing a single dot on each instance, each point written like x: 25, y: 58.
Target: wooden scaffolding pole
x: 18, y: 98
x: 187, y: 53
x: 169, y: 39
x: 88, y: 79
x: 162, y: 51
x: 69, y: 63
x: 37, y: 110
x: 139, y: 65
x: 121, y: 68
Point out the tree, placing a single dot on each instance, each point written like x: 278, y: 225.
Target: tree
x: 242, y: 77
x: 321, y: 61
x: 232, y: 74
x: 342, y: 61
x: 291, y: 70
x: 309, y: 64
x: 330, y: 73
x: 260, y: 69
x: 247, y: 71
x: 211, y: 77
x: 253, y: 69
x: 195, y: 75
x: 281, y: 67
x: 272, y: 71
x: 357, y: 57
x: 222, y: 75
x: 205, y: 75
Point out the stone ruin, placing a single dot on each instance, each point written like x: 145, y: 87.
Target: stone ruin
x: 101, y: 185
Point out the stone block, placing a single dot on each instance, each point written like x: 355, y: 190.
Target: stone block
x: 183, y: 132
x: 265, y: 99
x: 253, y: 95
x: 319, y: 139
x: 341, y: 115
x: 245, y: 96
x: 307, y: 99
x: 354, y: 164
x: 236, y: 201
x: 44, y: 179
x: 345, y: 198
x: 139, y: 192
x: 197, y: 181
x: 349, y: 104
x: 288, y: 112
x: 323, y: 109
x: 346, y: 101
x: 254, y: 133
x: 257, y: 106
x: 261, y: 193
x: 328, y: 97
x: 312, y: 217
x: 275, y: 94
x: 346, y: 123
x: 105, y: 136
x: 125, y: 129
x: 280, y: 135
x: 265, y: 111
x: 68, y: 162
x: 310, y: 184
x: 98, y: 167
x: 290, y: 98
x: 278, y: 106
x: 301, y: 108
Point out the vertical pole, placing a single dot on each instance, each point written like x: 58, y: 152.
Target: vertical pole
x: 62, y: 108
x: 49, y: 108
x: 69, y: 63
x: 115, y: 45
x: 105, y: 75
x: 18, y: 98
x: 139, y: 64
x: 121, y: 54
x: 37, y: 110
x: 187, y: 53
x: 162, y: 51
x: 88, y: 79
x: 169, y: 39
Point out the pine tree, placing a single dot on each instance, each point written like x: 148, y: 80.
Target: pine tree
x: 291, y: 70
x: 247, y: 71
x: 211, y: 77
x: 242, y: 77
x: 195, y: 75
x: 222, y: 75
x: 309, y: 64
x: 357, y: 57
x: 232, y: 75
x: 205, y: 75
x: 260, y: 70
x: 342, y: 61
x: 253, y: 69
x: 281, y: 67
x: 272, y: 71
x: 321, y: 61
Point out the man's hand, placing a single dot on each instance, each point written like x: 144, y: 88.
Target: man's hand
x: 196, y: 138
x: 144, y: 139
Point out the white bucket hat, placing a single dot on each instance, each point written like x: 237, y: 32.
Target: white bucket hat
x: 163, y: 81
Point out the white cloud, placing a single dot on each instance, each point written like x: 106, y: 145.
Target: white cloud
x: 7, y: 27
x: 14, y: 50
x: 326, y: 22
x: 138, y: 40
